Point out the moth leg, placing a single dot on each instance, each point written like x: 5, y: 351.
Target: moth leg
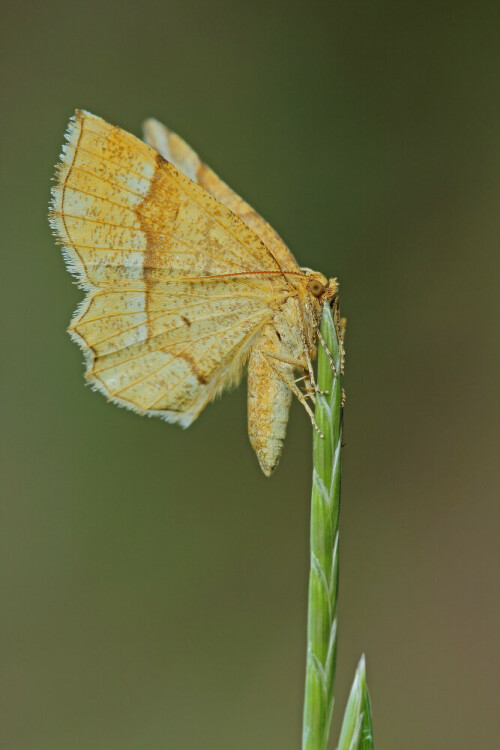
x: 328, y: 353
x: 307, y: 388
x: 310, y: 388
x: 306, y: 348
x: 300, y: 366
x: 291, y: 384
x: 312, y: 380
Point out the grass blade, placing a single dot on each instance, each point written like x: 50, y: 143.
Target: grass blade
x: 356, y: 732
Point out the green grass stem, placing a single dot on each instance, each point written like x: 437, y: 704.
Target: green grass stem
x: 323, y: 577
x: 324, y: 572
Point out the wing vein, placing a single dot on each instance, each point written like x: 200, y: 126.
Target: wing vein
x: 96, y: 176
x: 221, y: 223
x: 116, y: 163
x: 184, y: 341
x: 148, y: 320
x: 174, y: 310
x: 144, y: 150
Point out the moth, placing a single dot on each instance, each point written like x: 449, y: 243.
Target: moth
x: 184, y: 283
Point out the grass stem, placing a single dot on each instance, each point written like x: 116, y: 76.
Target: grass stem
x: 323, y: 578
x: 356, y: 732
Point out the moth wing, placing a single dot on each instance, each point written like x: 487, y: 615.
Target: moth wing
x: 174, y: 149
x: 157, y: 360
x: 169, y: 316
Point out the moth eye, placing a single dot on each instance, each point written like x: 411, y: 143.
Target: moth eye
x: 316, y: 288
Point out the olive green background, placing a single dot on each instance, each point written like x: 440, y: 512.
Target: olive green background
x: 153, y: 580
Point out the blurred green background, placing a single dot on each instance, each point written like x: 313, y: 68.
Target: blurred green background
x: 153, y: 581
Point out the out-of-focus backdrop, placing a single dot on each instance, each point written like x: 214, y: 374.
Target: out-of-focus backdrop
x: 153, y: 580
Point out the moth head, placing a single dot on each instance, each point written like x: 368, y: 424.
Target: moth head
x: 320, y: 288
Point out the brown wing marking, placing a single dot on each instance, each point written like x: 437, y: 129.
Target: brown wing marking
x: 174, y: 149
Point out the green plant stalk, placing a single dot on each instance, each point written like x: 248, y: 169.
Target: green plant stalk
x: 323, y: 578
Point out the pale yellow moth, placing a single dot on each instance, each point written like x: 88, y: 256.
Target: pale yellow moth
x: 185, y: 283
